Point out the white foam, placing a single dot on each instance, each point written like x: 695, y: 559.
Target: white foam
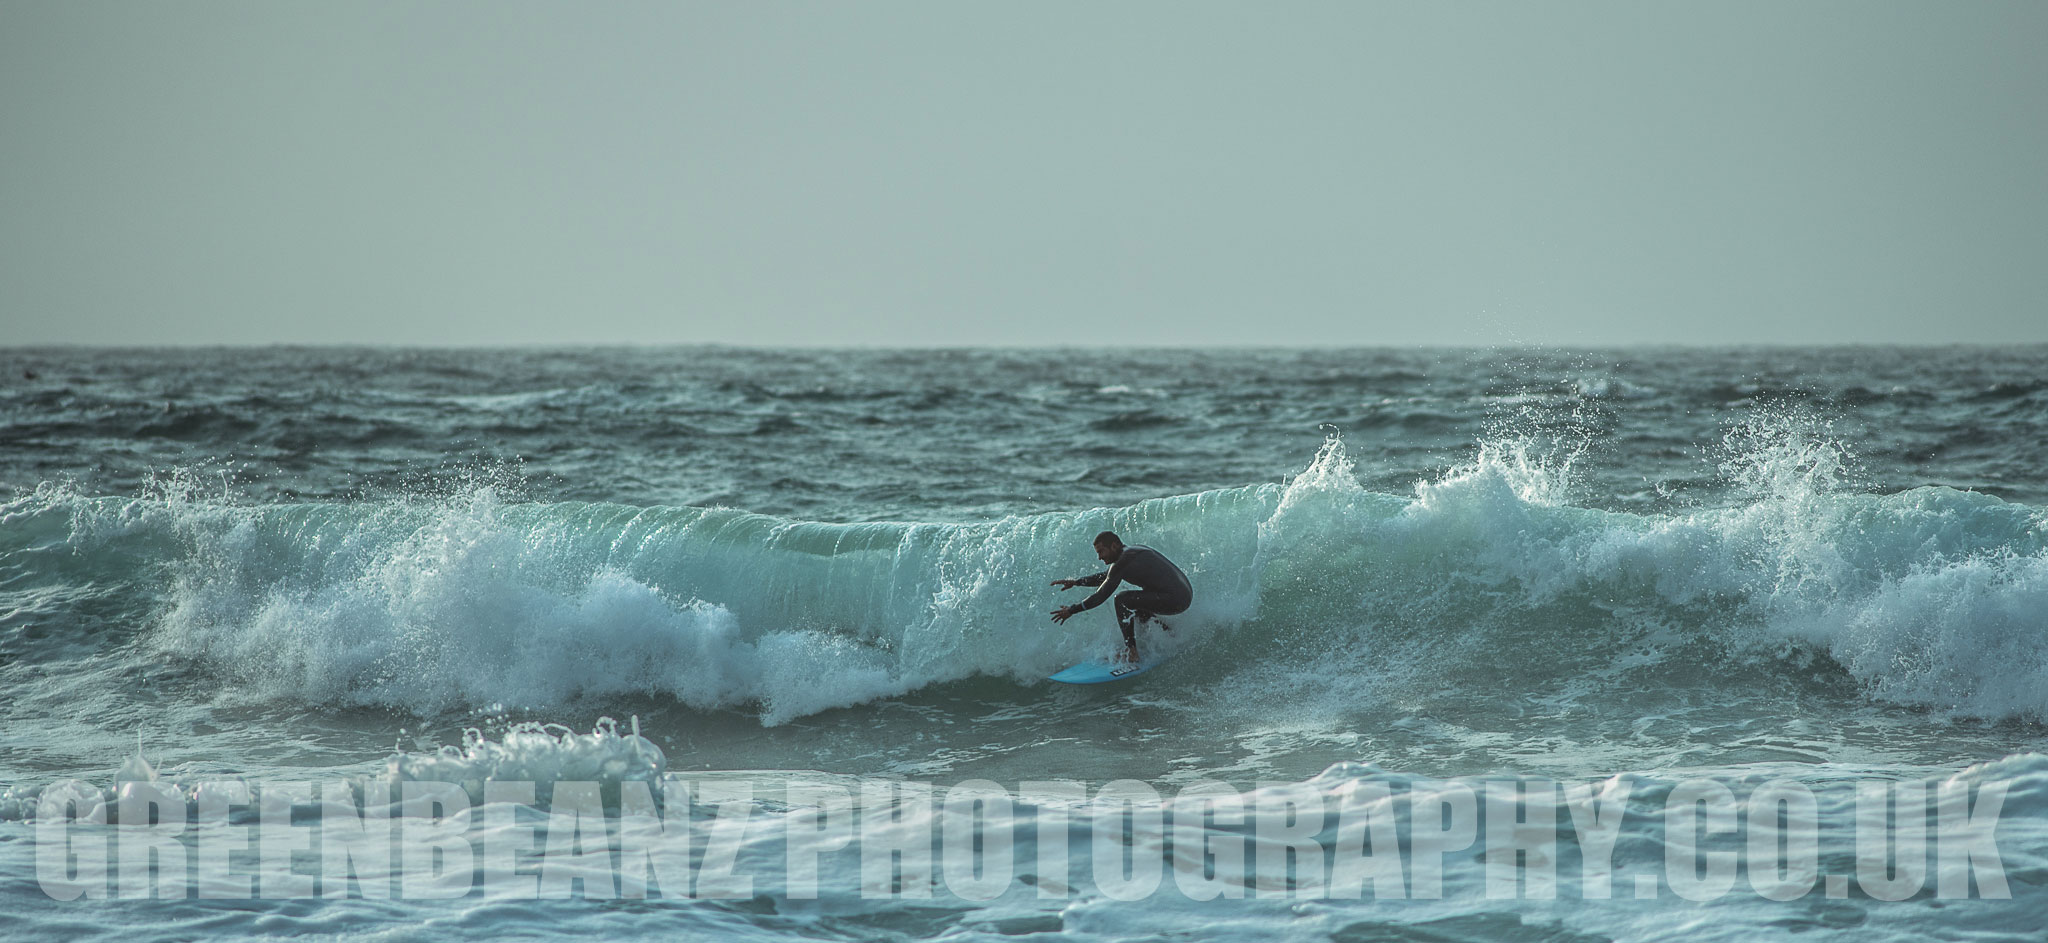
x: 542, y: 754
x: 1923, y: 596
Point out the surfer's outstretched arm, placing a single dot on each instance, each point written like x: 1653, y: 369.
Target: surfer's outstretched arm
x: 1095, y: 580
x: 1107, y: 581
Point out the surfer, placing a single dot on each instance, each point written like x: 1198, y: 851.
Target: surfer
x: 1163, y: 589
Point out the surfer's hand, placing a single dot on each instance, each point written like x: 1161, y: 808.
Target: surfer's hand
x: 1065, y: 584
x: 1062, y: 614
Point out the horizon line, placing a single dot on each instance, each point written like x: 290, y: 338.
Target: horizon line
x: 1076, y: 348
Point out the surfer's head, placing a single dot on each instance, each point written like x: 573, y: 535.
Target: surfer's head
x: 1108, y: 546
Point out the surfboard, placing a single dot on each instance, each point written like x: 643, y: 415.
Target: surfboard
x: 1099, y: 671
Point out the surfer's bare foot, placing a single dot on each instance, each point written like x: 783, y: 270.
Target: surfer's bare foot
x: 1129, y: 655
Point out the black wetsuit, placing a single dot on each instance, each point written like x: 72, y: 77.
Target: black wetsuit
x: 1163, y: 589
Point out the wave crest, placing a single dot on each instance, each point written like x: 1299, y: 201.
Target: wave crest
x: 1928, y: 597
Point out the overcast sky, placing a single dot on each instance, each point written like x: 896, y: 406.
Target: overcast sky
x: 1023, y: 173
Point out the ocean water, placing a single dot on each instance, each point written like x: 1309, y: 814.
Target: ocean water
x: 1422, y: 576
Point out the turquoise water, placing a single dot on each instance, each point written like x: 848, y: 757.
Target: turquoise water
x: 1413, y: 568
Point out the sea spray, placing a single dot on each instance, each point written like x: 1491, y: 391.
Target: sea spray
x: 426, y: 608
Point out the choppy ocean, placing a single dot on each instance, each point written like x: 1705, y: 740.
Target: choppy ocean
x: 1641, y: 580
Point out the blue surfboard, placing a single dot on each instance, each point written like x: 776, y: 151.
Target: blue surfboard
x: 1099, y: 672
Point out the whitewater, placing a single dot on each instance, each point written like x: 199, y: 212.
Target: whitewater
x: 1417, y: 573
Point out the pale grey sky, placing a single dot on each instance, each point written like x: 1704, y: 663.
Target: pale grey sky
x: 1023, y: 173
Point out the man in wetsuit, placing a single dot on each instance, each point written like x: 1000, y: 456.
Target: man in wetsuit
x: 1163, y: 589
